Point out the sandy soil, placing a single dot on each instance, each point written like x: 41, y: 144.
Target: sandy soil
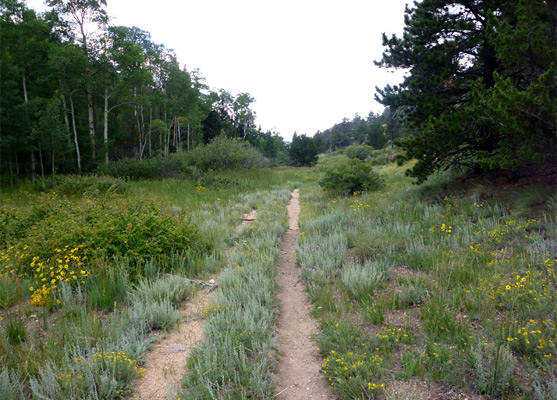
x: 298, y: 375
x: 165, y: 366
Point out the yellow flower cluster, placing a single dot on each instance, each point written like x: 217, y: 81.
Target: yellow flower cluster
x: 535, y: 337
x: 200, y: 188
x: 211, y: 309
x: 357, y: 205
x: 120, y: 359
x: 392, y: 336
x: 374, y: 386
x: 67, y: 266
x: 342, y: 369
x: 508, y: 227
x: 10, y: 259
x: 535, y: 287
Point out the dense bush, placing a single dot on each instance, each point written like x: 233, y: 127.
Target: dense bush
x: 164, y: 166
x: 349, y: 176
x: 303, y: 151
x: 357, y: 151
x: 225, y: 153
x: 88, y: 185
x: 221, y: 153
x: 102, y: 227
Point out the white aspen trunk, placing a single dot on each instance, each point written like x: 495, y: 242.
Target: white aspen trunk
x: 66, y: 120
x: 91, y: 119
x: 150, y: 130
x: 168, y: 137
x: 78, y: 155
x: 188, y: 144
x: 105, y: 131
x: 105, y: 134
x: 136, y: 115
x: 25, y: 96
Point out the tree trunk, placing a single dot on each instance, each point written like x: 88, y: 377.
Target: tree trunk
x: 150, y: 130
x: 136, y: 115
x: 75, y: 137
x: 16, y: 169
x: 26, y: 98
x: 66, y: 120
x: 167, y: 150
x: 105, y: 134
x: 188, y: 144
x: 11, y: 174
x: 91, y: 120
x: 41, y: 161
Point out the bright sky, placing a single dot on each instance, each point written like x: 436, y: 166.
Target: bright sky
x: 308, y: 63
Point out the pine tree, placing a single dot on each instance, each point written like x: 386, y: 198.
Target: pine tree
x: 461, y: 98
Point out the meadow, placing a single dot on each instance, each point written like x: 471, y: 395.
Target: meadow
x: 448, y: 283
x: 91, y: 266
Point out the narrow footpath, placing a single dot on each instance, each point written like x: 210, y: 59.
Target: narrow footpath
x: 298, y: 375
x: 165, y: 366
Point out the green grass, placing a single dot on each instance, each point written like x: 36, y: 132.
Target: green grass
x: 233, y: 361
x: 463, y: 265
x: 88, y: 334
x: 443, y: 282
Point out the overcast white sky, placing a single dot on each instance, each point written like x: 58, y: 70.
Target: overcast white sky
x: 308, y: 63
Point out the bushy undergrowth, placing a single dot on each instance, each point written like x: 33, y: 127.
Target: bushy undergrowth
x: 223, y: 153
x: 348, y: 177
x: 164, y: 166
x: 220, y: 154
x: 111, y: 227
x: 83, y: 185
x: 360, y: 152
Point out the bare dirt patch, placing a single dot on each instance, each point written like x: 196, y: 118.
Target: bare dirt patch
x: 166, y: 364
x: 298, y: 375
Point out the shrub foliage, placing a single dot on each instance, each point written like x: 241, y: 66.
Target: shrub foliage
x: 348, y: 177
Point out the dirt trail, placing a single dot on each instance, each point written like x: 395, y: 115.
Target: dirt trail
x: 165, y: 366
x: 298, y: 376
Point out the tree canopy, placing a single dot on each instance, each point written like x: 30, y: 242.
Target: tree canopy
x: 79, y: 93
x: 480, y: 90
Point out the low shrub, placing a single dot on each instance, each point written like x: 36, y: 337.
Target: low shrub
x: 360, y: 152
x: 349, y: 176
x: 226, y: 153
x: 221, y: 153
x: 494, y: 366
x: 362, y: 280
x: 163, y: 166
x: 87, y: 185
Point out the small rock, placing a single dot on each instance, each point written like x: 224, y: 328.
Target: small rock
x: 175, y: 348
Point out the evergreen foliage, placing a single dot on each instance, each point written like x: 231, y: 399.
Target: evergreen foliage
x: 303, y: 151
x: 481, y: 89
x: 349, y: 176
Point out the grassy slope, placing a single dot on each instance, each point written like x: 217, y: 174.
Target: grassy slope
x: 436, y: 282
